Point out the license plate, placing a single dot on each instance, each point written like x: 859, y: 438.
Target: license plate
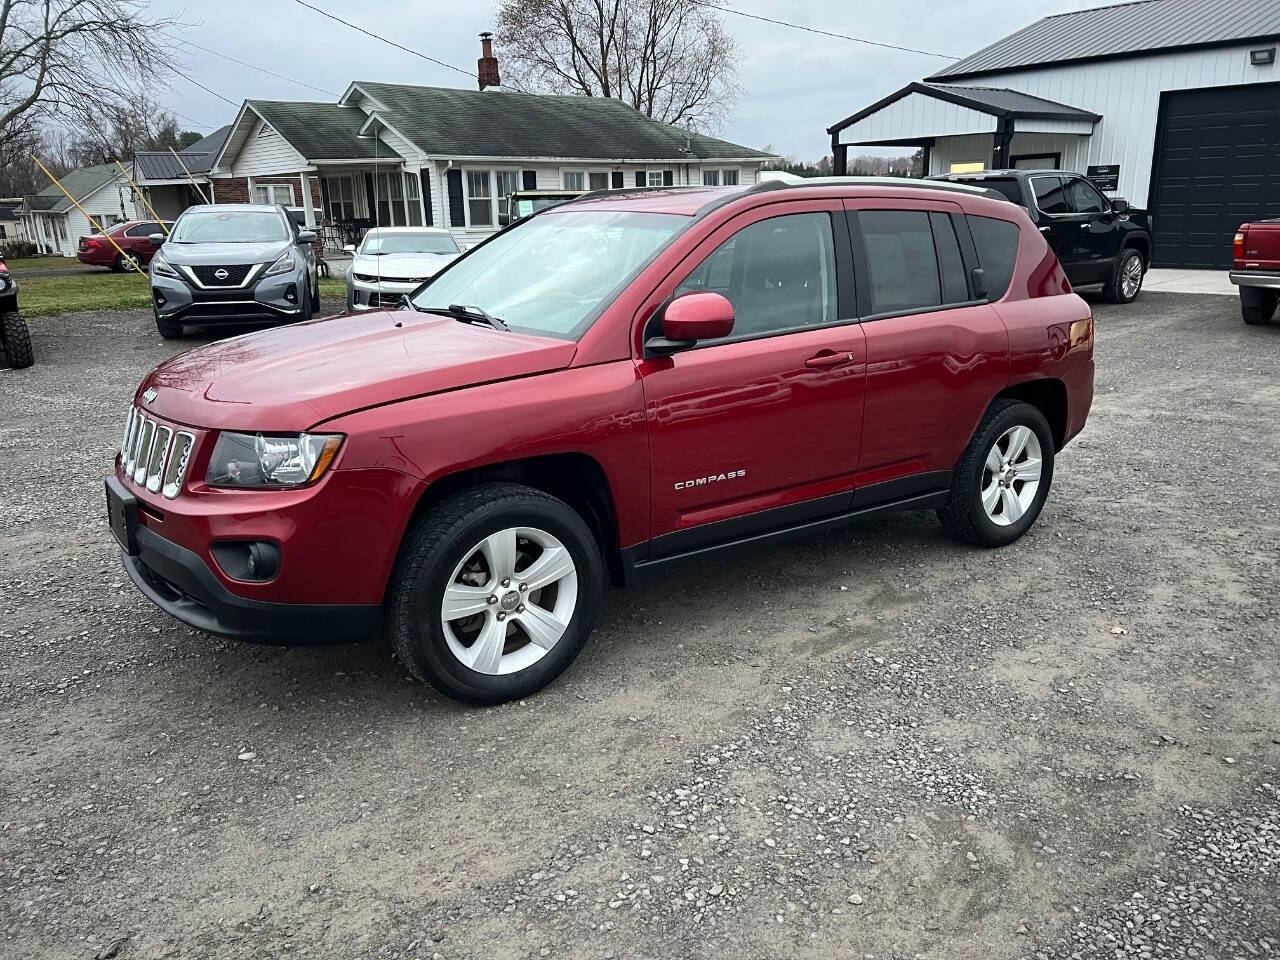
x: 122, y: 515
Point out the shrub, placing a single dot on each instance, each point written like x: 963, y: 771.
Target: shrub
x: 18, y: 249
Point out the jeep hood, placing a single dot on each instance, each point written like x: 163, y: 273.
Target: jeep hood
x: 294, y: 377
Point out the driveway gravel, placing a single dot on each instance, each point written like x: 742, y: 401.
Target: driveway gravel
x: 877, y: 743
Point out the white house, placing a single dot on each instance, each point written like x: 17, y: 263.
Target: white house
x: 1172, y: 104
x: 55, y: 225
x: 404, y: 155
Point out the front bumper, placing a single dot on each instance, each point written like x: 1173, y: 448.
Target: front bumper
x: 270, y: 298
x: 1249, y: 278
x: 363, y: 295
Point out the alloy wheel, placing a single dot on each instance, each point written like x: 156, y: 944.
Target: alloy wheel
x: 509, y: 601
x: 1011, y: 475
x: 1131, y: 276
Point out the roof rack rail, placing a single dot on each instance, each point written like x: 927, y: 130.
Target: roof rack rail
x: 766, y: 185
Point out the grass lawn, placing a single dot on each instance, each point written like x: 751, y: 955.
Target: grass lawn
x: 41, y: 296
x: 27, y: 265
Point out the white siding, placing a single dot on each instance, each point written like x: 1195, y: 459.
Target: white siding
x: 266, y: 154
x: 916, y: 116
x: 108, y: 204
x: 1127, y: 95
x: 1054, y: 126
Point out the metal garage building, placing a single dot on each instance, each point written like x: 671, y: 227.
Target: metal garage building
x: 1172, y: 104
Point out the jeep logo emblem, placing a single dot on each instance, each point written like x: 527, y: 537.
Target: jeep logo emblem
x: 149, y: 394
x: 221, y: 273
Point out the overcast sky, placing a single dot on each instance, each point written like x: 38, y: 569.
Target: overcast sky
x: 795, y: 84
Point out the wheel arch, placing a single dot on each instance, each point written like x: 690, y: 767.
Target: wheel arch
x: 1140, y: 242
x: 1049, y: 396
x: 576, y: 478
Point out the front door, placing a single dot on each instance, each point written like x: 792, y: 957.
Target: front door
x: 1061, y: 226
x: 1099, y: 239
x: 759, y: 430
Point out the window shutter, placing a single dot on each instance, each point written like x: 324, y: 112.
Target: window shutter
x: 615, y: 179
x: 640, y: 180
x: 368, y: 189
x: 424, y: 175
x: 668, y: 178
x: 457, y: 212
x: 529, y: 179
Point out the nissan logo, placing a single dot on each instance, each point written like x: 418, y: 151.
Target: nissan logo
x: 221, y: 273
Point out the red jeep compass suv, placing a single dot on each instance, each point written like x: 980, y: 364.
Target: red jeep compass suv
x: 602, y: 388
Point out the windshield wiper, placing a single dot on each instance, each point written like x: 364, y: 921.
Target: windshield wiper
x: 464, y: 314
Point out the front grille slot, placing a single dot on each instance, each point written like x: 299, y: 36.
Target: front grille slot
x: 159, y: 450
x: 155, y: 456
x: 145, y: 440
x: 208, y: 275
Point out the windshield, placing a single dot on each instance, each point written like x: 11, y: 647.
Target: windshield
x: 528, y: 205
x: 377, y: 244
x: 229, y: 226
x: 553, y: 274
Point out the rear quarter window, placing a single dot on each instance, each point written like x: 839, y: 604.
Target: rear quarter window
x: 1010, y: 187
x: 997, y: 245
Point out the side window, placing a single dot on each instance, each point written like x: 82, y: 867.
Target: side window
x: 779, y: 274
x: 143, y: 230
x: 1084, y: 197
x: 997, y: 245
x: 901, y: 259
x: 955, y: 288
x: 1050, y: 197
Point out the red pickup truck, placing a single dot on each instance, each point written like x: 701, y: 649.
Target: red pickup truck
x: 1257, y: 269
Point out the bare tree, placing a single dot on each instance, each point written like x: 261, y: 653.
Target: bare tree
x: 119, y: 131
x: 673, y: 60
x: 66, y: 61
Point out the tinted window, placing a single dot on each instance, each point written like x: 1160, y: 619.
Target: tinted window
x: 1083, y: 197
x: 901, y: 259
x: 143, y: 230
x: 1050, y: 197
x: 779, y: 274
x: 955, y: 289
x: 997, y: 243
x: 1006, y: 185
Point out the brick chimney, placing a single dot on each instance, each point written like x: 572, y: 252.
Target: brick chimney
x: 487, y: 65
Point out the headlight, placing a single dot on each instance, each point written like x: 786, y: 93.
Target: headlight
x: 285, y: 264
x: 161, y: 266
x: 256, y: 460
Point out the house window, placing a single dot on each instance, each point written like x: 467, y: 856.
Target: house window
x: 573, y: 179
x: 729, y: 177
x: 655, y: 178
x: 412, y: 204
x: 342, y: 198
x: 508, y: 182
x: 479, y: 199
x: 598, y: 180
x: 281, y: 193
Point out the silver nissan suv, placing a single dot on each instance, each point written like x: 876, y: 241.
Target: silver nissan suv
x: 233, y: 263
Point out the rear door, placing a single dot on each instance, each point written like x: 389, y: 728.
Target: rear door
x: 1060, y: 225
x: 137, y: 239
x: 936, y: 354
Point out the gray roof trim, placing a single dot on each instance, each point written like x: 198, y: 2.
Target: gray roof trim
x: 998, y: 102
x: 1125, y: 30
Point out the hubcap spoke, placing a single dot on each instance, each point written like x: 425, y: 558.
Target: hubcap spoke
x: 554, y: 564
x: 543, y: 627
x: 994, y: 461
x: 1028, y: 470
x: 486, y: 652
x: 461, y: 600
x: 991, y: 496
x: 1010, y: 504
x: 1017, y: 443
x: 500, y: 551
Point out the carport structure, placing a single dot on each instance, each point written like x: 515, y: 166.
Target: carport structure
x: 965, y: 128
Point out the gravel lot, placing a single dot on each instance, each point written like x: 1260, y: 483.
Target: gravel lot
x: 878, y: 743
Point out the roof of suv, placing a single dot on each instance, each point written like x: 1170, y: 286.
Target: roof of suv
x: 1001, y: 174
x: 691, y: 201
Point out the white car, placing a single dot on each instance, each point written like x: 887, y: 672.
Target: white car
x: 394, y: 261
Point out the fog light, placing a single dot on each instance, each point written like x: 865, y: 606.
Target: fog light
x: 160, y: 300
x: 291, y: 294
x: 254, y: 560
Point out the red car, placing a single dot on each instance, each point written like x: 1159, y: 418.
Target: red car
x: 1256, y: 270
x: 606, y: 387
x: 132, y: 236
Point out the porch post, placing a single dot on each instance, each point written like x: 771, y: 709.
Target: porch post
x: 308, y: 208
x: 249, y: 187
x: 1004, y: 140
x: 422, y: 200
x: 839, y: 156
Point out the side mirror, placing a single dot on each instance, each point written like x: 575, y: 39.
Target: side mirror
x: 1119, y: 205
x: 306, y: 237
x: 155, y: 239
x: 349, y: 247
x: 978, y: 278
x: 686, y: 320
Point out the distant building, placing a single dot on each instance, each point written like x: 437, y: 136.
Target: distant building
x: 170, y: 183
x: 55, y: 225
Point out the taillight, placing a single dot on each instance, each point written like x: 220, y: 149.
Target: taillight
x: 1237, y: 244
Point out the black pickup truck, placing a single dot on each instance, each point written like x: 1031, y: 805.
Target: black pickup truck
x: 1097, y: 240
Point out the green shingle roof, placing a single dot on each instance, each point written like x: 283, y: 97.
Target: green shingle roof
x: 444, y: 121
x: 79, y: 183
x: 318, y: 131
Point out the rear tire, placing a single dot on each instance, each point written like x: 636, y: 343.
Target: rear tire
x: 126, y: 262
x: 167, y: 328
x: 1126, y: 277
x: 16, y: 339
x: 1013, y: 443
x: 455, y: 554
x: 1257, y: 306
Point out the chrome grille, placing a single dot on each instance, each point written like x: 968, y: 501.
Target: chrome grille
x: 153, y: 455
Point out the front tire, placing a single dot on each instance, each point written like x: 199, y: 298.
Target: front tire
x: 1257, y: 307
x: 123, y: 263
x: 1126, y: 277
x: 167, y: 328
x: 1003, y: 478
x: 16, y: 339
x: 494, y: 593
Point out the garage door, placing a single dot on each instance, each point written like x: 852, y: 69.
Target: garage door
x: 1217, y: 166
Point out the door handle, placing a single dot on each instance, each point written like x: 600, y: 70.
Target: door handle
x: 1085, y: 226
x: 825, y: 361
x: 1045, y: 229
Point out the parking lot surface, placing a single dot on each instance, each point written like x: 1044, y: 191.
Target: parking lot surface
x: 875, y: 743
